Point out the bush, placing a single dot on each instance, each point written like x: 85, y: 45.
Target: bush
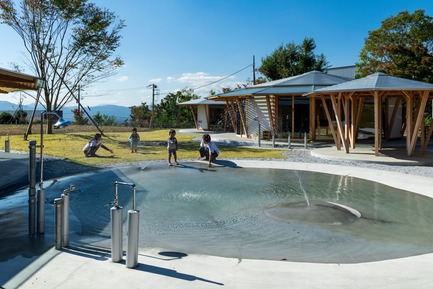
x: 6, y: 117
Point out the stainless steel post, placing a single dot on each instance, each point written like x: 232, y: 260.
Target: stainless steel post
x: 116, y: 229
x: 58, y: 222
x: 65, y: 220
x: 32, y: 189
x: 132, y: 249
x: 273, y: 139
x: 7, y: 144
x: 289, y: 141
x: 41, y: 211
x: 305, y: 140
x: 116, y: 234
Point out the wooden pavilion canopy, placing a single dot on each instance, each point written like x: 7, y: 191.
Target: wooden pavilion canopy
x: 294, y: 87
x: 347, y: 100
x: 11, y: 81
x: 234, y: 101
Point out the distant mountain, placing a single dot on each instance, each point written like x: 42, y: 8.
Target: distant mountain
x: 7, y: 106
x: 121, y: 113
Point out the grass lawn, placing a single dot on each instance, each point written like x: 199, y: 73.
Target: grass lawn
x: 67, y: 143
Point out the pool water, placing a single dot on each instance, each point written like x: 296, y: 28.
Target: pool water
x: 254, y: 213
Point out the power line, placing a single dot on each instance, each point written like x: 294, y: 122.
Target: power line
x: 223, y: 77
x: 142, y: 87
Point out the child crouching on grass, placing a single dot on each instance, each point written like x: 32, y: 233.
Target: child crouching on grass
x: 172, y: 147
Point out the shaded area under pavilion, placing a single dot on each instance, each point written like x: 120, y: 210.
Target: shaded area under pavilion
x: 389, y: 94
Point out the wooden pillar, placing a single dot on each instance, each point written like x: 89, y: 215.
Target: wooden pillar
x: 330, y: 125
x: 419, y: 118
x: 293, y: 116
x: 242, y: 115
x: 313, y: 118
x: 336, y: 106
x: 194, y: 116
x: 377, y: 123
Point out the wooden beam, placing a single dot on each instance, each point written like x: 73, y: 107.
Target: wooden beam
x: 377, y: 126
x: 271, y: 116
x: 347, y: 123
x: 337, y: 113
x: 194, y: 116
x: 419, y: 119
x: 293, y: 115
x: 409, y: 120
x: 313, y: 118
x: 360, y: 107
x: 331, y: 127
x: 242, y: 115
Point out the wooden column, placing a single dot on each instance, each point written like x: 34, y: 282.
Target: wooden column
x: 313, y: 118
x: 330, y: 125
x: 242, y: 115
x: 377, y: 126
x: 336, y: 106
x: 419, y: 118
x: 194, y: 116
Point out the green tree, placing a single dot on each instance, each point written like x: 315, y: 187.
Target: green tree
x: 69, y: 43
x: 105, y: 119
x: 6, y: 117
x: 20, y: 116
x: 401, y: 47
x: 140, y: 115
x: 291, y: 59
x: 169, y: 114
x: 79, y: 117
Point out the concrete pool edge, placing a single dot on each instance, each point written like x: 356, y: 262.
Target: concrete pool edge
x: 71, y: 270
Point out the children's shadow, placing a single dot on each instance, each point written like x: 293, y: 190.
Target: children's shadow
x: 106, y: 157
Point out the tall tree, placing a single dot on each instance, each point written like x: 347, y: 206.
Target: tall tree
x: 402, y: 47
x: 69, y: 44
x: 140, y: 115
x: 291, y: 59
x: 169, y: 114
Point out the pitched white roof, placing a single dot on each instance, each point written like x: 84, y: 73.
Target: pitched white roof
x: 298, y: 84
x: 377, y: 81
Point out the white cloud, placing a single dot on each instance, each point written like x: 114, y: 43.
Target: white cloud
x: 155, y: 80
x: 203, y: 83
x: 122, y: 78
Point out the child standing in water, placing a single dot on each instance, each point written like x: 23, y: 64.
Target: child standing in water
x: 172, y: 146
x: 134, y: 138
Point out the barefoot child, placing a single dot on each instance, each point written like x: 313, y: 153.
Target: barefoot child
x: 172, y: 146
x: 134, y: 138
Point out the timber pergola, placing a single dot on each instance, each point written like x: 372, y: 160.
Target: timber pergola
x: 11, y: 81
x: 347, y: 100
x: 234, y: 101
x: 294, y: 87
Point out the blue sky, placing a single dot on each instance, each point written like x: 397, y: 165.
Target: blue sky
x: 178, y: 44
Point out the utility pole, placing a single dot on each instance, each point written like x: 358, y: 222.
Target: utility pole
x: 254, y: 69
x: 153, y: 86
